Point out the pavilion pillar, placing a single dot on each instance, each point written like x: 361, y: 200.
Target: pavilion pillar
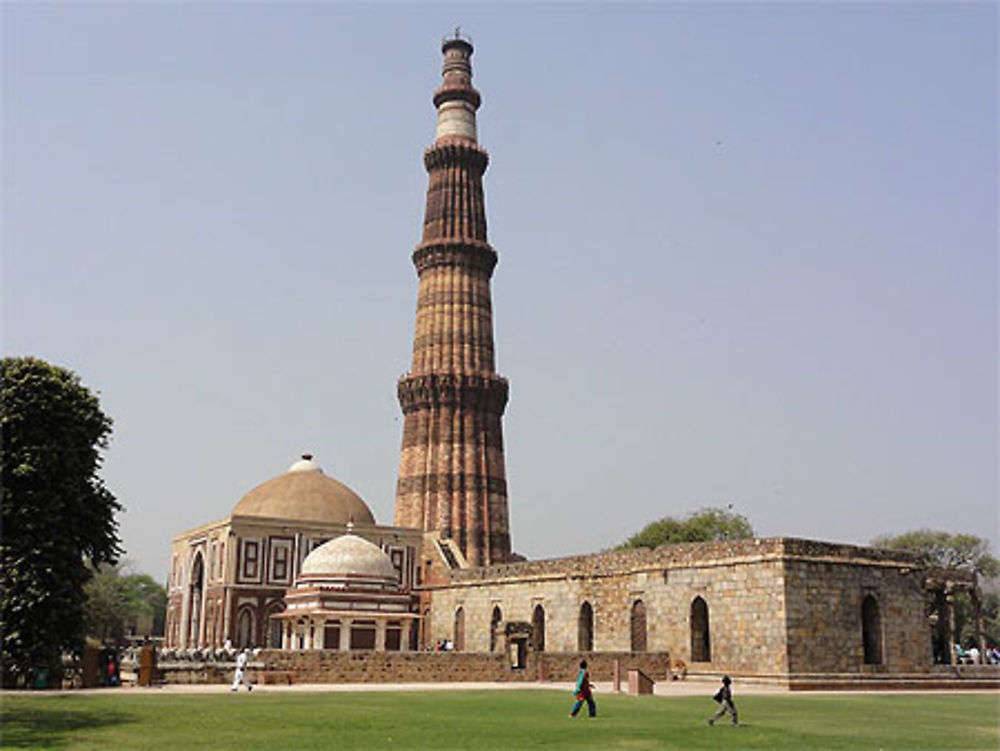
x: 380, y: 635
x: 949, y: 623
x: 977, y: 620
x: 406, y: 628
x: 345, y: 634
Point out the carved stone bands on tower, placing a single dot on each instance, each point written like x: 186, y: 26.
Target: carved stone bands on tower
x: 452, y: 479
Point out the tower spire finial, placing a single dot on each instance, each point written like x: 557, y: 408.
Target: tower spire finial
x: 456, y: 99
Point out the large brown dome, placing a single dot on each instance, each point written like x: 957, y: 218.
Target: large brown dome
x: 304, y: 493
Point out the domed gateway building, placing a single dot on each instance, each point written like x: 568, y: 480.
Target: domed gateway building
x: 301, y: 563
x: 228, y: 578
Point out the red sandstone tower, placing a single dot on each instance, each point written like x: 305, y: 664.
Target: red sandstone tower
x: 451, y: 472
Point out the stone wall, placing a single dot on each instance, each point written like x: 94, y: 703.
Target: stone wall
x: 328, y: 666
x: 825, y: 629
x: 745, y: 603
x: 769, y: 604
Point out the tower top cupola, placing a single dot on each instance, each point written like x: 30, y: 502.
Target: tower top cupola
x: 456, y: 99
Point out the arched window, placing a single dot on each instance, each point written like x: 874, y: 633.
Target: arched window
x: 495, y: 620
x: 538, y: 629
x: 638, y: 626
x: 274, y: 625
x: 195, y: 590
x: 459, y: 640
x: 701, y: 640
x: 871, y: 631
x: 585, y: 629
x: 244, y: 627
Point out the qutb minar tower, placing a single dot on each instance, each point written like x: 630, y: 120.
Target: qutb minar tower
x: 451, y: 471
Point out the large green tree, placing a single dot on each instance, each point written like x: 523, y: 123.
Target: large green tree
x: 945, y: 550
x: 57, y: 515
x: 959, y: 551
x: 705, y: 525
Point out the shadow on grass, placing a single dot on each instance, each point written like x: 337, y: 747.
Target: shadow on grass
x: 45, y: 727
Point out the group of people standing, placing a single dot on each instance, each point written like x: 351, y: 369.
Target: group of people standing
x: 583, y: 692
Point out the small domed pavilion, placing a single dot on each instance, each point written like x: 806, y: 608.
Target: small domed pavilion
x: 348, y: 597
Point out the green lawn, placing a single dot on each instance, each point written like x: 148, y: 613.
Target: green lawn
x: 508, y: 720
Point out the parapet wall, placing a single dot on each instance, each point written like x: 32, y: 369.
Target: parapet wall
x: 329, y: 666
x: 687, y: 555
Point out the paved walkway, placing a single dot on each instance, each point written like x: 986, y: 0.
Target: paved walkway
x: 664, y: 689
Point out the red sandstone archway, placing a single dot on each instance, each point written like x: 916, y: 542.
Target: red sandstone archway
x: 245, y: 631
x: 274, y: 610
x: 196, y: 588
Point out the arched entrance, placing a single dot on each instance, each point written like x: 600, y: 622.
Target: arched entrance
x: 701, y: 640
x: 196, y: 588
x: 244, y: 627
x: 459, y: 640
x: 871, y: 630
x: 638, y: 626
x: 585, y: 629
x: 274, y: 625
x: 538, y: 629
x: 495, y: 619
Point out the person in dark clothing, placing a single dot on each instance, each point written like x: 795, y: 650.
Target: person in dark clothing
x: 581, y: 692
x: 724, y: 696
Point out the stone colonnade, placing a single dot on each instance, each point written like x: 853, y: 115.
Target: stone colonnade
x: 345, y: 632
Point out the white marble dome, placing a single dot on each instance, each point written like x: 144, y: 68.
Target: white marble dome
x: 349, y: 558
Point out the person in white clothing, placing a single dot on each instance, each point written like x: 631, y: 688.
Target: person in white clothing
x: 241, y: 667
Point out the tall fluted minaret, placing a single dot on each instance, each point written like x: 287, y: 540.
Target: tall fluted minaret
x: 451, y: 472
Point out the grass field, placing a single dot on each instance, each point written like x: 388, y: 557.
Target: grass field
x: 494, y: 720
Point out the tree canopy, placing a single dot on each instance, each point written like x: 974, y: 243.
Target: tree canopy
x: 704, y: 525
x: 118, y: 600
x: 945, y: 550
x: 57, y: 515
x: 960, y: 551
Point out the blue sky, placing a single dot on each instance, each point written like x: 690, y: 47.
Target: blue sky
x: 748, y: 252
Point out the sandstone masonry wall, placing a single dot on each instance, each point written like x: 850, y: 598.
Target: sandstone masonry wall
x: 327, y: 666
x: 825, y: 617
x: 769, y: 603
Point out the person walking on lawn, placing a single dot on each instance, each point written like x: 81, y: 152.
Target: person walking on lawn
x: 581, y: 692
x: 724, y: 697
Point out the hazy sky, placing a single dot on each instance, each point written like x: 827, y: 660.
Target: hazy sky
x: 748, y: 252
